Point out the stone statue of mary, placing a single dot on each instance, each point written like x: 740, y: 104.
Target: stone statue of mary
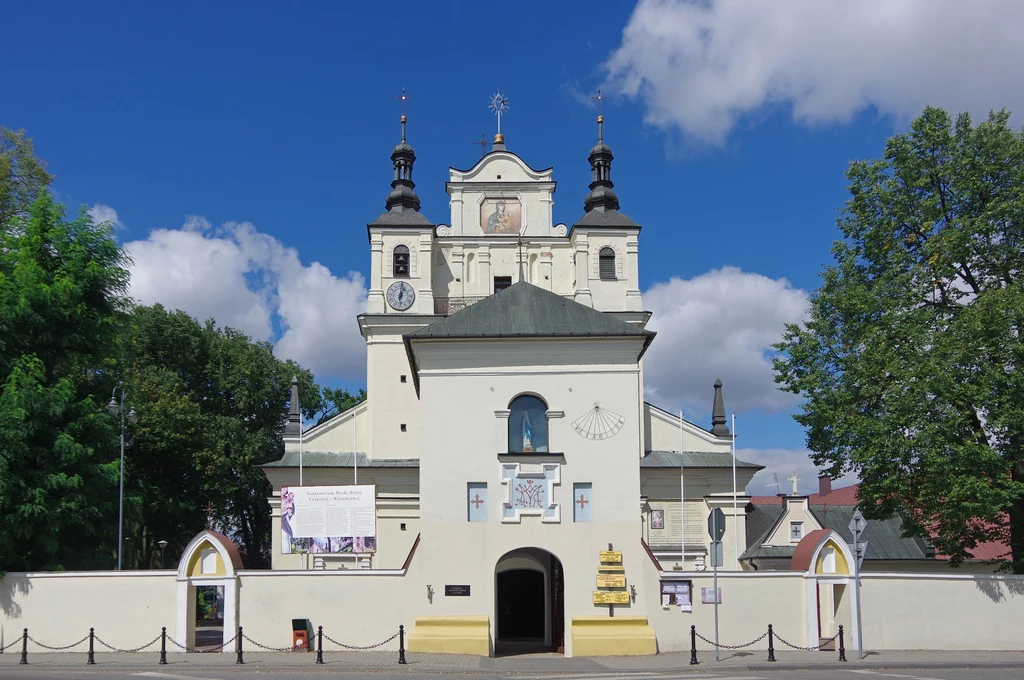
x: 527, y: 433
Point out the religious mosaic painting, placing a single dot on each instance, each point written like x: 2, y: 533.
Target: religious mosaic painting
x: 529, y: 490
x: 501, y: 216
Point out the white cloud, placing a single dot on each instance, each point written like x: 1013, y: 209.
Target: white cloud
x: 718, y: 325
x: 702, y: 65
x: 249, y: 280
x: 782, y: 463
x: 104, y: 213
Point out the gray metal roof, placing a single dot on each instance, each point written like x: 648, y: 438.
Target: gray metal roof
x: 605, y: 218
x: 769, y: 551
x: 525, y: 310
x: 401, y: 218
x: 698, y: 459
x: 884, y: 537
x: 323, y: 459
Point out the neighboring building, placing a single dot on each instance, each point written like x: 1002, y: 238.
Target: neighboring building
x: 775, y: 525
x: 506, y: 435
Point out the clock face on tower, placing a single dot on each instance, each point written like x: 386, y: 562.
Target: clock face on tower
x: 401, y: 295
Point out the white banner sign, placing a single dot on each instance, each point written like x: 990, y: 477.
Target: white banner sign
x: 328, y: 519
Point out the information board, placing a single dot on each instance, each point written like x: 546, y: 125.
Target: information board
x: 329, y: 519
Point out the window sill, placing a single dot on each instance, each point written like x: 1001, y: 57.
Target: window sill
x: 530, y: 454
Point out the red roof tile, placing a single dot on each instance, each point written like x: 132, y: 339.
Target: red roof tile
x: 846, y: 495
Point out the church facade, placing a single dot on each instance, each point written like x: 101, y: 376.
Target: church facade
x: 506, y: 437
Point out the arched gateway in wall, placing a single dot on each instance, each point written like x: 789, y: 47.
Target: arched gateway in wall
x: 529, y: 602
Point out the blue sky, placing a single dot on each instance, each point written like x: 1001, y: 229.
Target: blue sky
x: 242, y: 148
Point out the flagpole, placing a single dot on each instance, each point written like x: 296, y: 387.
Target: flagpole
x: 355, y: 454
x: 682, y: 500
x: 735, y: 503
x: 300, y: 452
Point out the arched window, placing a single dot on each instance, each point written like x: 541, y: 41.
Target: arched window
x: 528, y: 425
x: 606, y: 262
x: 400, y: 259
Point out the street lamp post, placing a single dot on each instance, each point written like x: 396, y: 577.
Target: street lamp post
x: 163, y: 545
x: 115, y: 407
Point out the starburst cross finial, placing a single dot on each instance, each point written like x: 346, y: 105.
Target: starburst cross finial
x: 600, y: 100
x: 403, y: 98
x: 499, y: 104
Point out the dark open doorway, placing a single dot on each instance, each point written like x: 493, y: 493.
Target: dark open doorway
x: 528, y: 603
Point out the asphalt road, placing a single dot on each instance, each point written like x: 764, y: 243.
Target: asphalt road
x: 967, y: 673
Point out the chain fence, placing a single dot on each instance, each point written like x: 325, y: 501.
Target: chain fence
x: 235, y: 640
x: 807, y: 649
x: 127, y: 651
x: 356, y: 648
x: 721, y: 646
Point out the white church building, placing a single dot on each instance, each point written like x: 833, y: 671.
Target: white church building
x: 506, y: 440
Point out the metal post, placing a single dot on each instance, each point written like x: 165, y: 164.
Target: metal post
x: 771, y: 643
x: 319, y: 644
x: 718, y: 656
x: 842, y: 645
x: 163, y: 646
x: 92, y: 635
x: 693, y: 646
x: 238, y: 646
x: 120, y: 500
x: 401, y: 645
x: 24, y: 648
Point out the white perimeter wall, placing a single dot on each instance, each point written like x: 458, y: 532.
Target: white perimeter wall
x: 126, y: 608
x: 900, y: 611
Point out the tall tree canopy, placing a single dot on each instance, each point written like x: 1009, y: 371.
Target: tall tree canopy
x: 62, y: 295
x: 22, y: 175
x: 909, y: 364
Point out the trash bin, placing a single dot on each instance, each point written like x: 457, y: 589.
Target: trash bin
x: 302, y: 634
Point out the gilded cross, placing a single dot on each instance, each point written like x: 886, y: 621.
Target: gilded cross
x: 477, y: 502
x: 582, y: 502
x: 600, y: 98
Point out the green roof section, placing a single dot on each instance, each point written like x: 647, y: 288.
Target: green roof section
x: 325, y: 459
x: 524, y: 310
x: 694, y: 459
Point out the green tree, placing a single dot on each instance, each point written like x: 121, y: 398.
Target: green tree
x: 212, y: 406
x: 22, y: 175
x: 909, y: 365
x: 62, y: 294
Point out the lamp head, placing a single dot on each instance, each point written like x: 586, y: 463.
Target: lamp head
x: 112, y: 406
x: 132, y: 416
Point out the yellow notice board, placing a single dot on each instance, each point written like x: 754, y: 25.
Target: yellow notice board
x: 609, y: 556
x: 611, y: 580
x: 620, y: 597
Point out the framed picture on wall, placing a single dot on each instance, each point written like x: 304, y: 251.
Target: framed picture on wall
x: 657, y: 519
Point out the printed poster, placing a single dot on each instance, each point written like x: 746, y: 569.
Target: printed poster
x: 329, y: 519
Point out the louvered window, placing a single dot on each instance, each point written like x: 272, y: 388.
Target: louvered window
x: 606, y: 263
x: 401, y: 260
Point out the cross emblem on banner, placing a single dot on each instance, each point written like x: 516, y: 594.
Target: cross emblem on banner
x: 582, y: 502
x: 477, y: 502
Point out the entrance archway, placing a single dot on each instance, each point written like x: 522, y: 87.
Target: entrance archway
x: 528, y: 603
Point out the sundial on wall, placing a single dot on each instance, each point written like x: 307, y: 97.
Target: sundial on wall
x: 598, y: 423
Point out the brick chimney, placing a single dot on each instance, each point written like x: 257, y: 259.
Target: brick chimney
x: 824, y: 485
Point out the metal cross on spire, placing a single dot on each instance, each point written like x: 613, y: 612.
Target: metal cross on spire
x: 483, y: 144
x: 209, y: 509
x: 600, y: 99
x: 403, y: 98
x: 499, y: 104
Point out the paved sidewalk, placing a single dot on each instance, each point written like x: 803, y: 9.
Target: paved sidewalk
x: 531, y: 663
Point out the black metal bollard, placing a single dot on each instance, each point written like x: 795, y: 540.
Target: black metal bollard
x: 238, y: 646
x: 92, y: 636
x: 163, y: 646
x: 842, y: 646
x: 693, y: 646
x: 319, y: 644
x: 24, y: 648
x: 401, y: 644
x: 771, y: 643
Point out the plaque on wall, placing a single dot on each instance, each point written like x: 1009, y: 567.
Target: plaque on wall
x: 456, y: 591
x: 616, y: 597
x: 611, y: 580
x: 611, y: 556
